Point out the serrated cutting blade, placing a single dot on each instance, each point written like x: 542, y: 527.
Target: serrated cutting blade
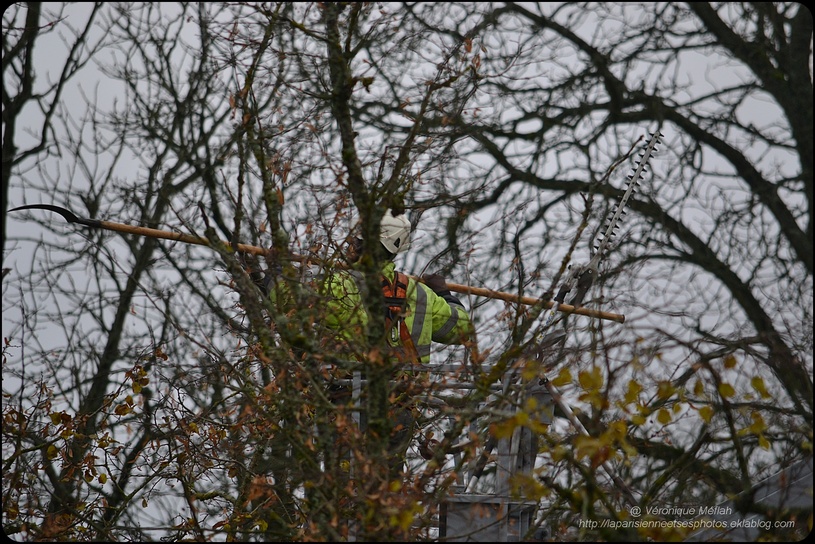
x: 633, y: 181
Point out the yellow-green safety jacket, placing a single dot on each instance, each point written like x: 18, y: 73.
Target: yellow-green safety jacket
x: 430, y: 317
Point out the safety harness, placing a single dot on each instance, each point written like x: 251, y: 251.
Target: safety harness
x: 395, y: 294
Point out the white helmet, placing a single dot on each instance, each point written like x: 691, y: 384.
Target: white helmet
x: 394, y: 232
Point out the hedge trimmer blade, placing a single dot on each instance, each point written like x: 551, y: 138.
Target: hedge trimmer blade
x: 634, y: 179
x: 582, y: 277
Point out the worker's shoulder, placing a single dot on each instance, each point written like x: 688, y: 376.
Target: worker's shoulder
x: 343, y: 282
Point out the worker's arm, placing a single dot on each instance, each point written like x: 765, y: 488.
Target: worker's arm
x: 451, y: 322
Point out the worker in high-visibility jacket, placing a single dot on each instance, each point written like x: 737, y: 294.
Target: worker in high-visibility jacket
x: 431, y: 312
x: 416, y: 315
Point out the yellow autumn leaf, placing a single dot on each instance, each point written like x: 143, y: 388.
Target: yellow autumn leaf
x: 763, y: 442
x: 758, y: 384
x: 56, y: 419
x: 530, y: 371
x: 616, y: 430
x: 758, y: 425
x: 665, y: 390
x: 698, y: 388
x: 405, y: 518
x: 730, y: 361
x: 591, y: 380
x: 664, y: 416
x: 103, y: 478
x: 637, y: 419
x: 726, y: 390
x: 504, y: 429
x: 634, y: 389
x: 706, y: 413
x: 564, y: 377
x: 587, y: 446
x: 595, y: 398
x: 52, y: 452
x: 559, y: 453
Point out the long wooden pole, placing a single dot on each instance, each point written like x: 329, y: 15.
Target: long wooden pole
x: 255, y: 250
x: 531, y: 301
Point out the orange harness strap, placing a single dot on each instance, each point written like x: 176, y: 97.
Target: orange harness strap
x: 395, y: 302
